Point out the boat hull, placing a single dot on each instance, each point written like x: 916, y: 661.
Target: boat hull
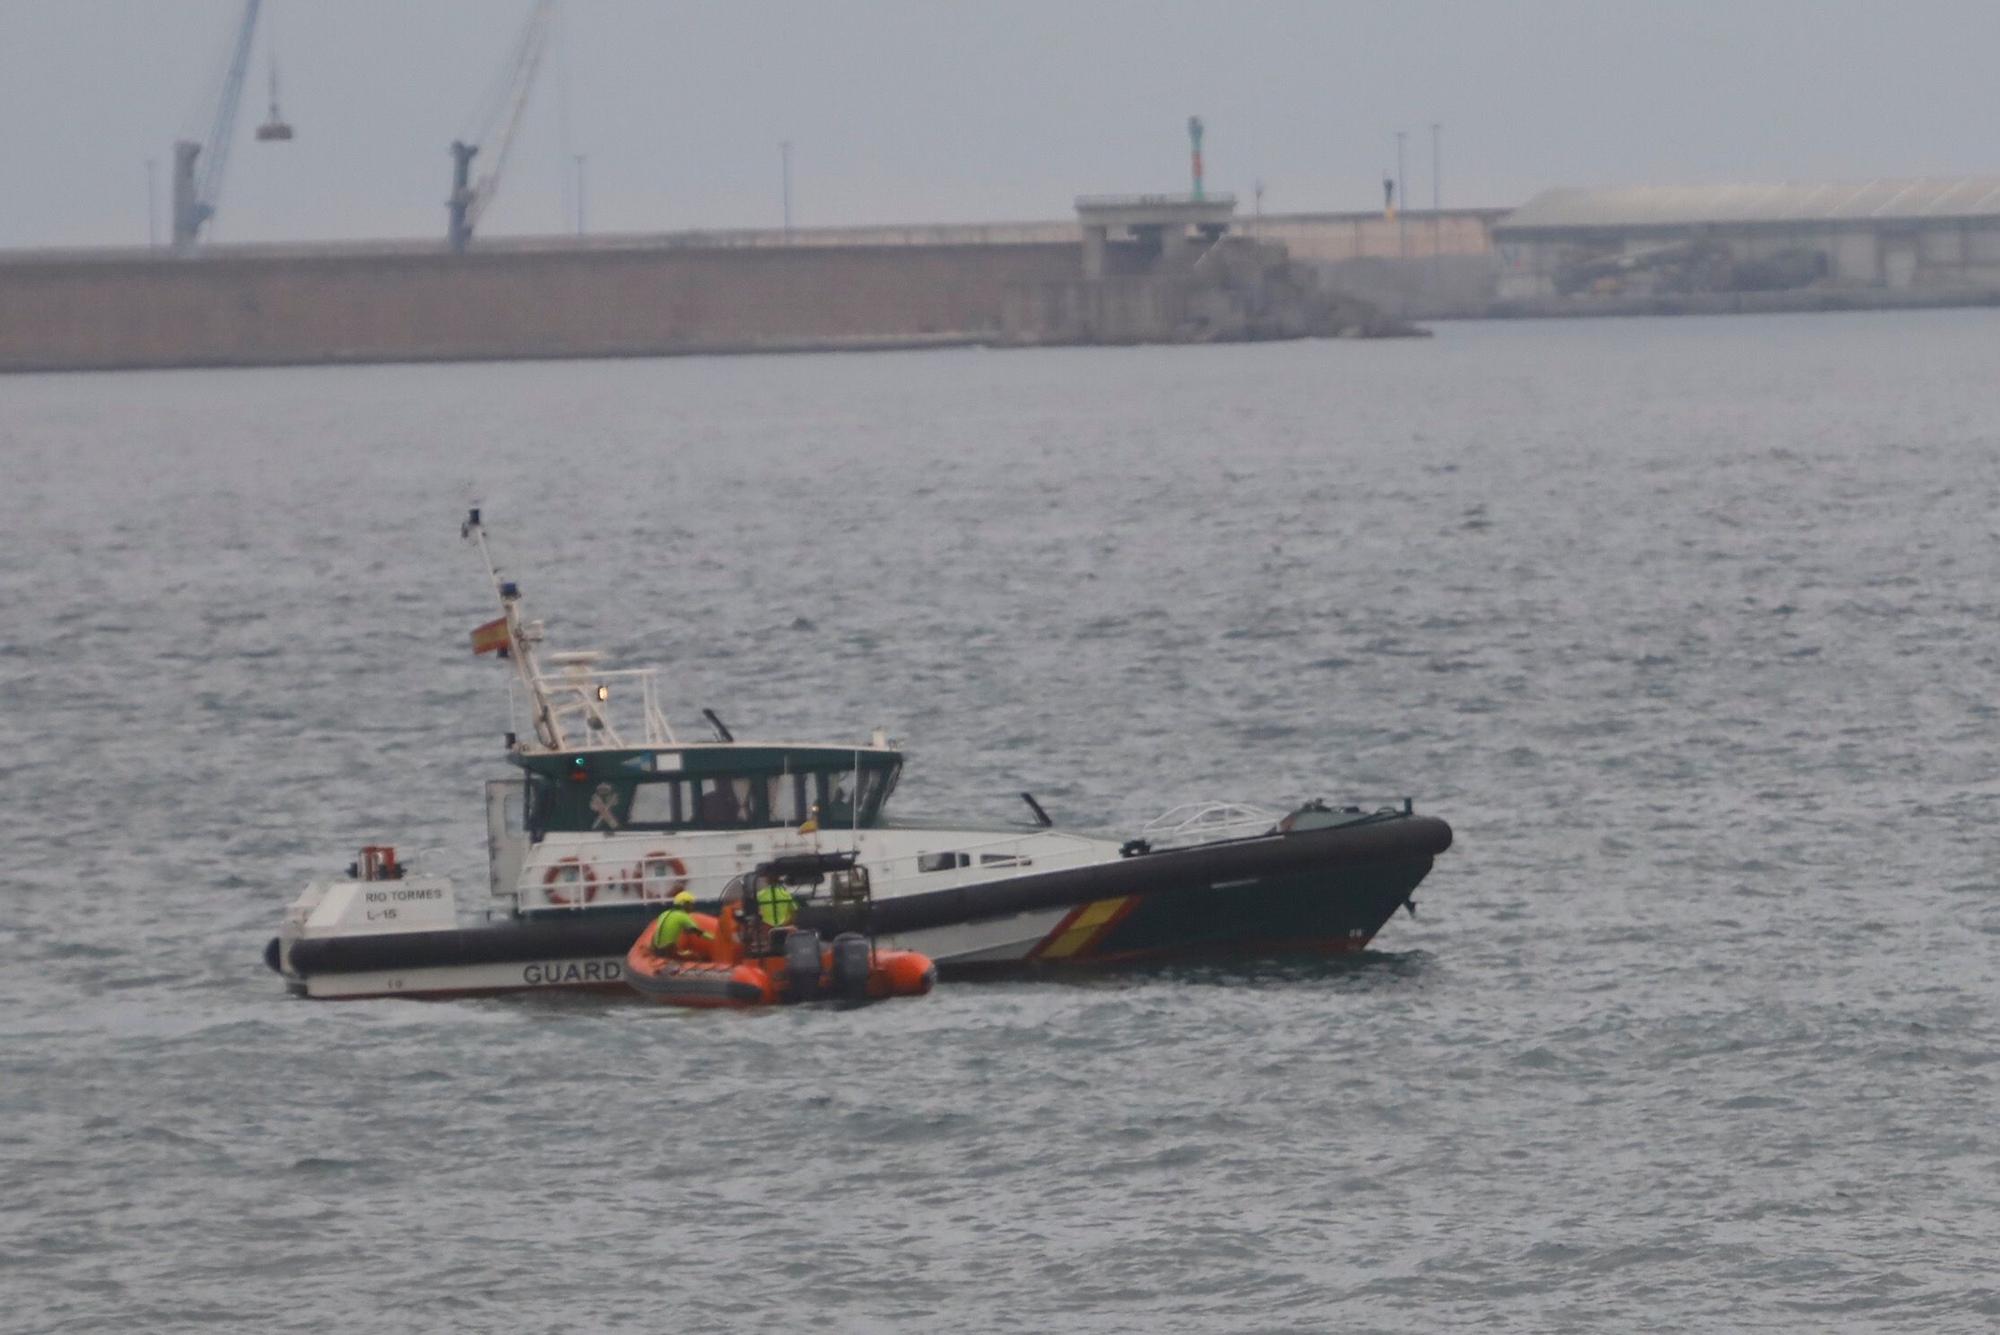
x: 1282, y: 915
x: 1316, y: 892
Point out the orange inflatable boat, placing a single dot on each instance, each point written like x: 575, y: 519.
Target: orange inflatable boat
x: 749, y: 962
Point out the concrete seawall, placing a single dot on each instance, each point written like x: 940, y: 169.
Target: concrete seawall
x: 701, y: 292
x: 286, y: 307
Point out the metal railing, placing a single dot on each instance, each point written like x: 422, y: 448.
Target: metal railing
x: 1216, y: 201
x: 1204, y: 822
x: 573, y: 695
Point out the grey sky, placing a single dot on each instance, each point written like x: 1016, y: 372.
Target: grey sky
x: 930, y: 110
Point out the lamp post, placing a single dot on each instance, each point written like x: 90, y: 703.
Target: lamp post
x: 1402, y: 226
x: 1194, y: 153
x: 580, y: 160
x: 785, y: 168
x: 1437, y: 203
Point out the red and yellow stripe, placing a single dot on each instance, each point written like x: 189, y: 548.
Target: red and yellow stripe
x: 1083, y: 927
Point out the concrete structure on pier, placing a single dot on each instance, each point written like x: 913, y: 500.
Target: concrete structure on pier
x: 1164, y: 227
x: 1166, y: 269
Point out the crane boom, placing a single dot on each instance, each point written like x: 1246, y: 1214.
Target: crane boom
x: 521, y: 82
x: 501, y: 116
x: 199, y: 167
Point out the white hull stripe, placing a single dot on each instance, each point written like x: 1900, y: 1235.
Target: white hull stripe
x: 533, y: 975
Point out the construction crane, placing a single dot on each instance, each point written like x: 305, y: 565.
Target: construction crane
x: 495, y: 125
x: 198, y: 167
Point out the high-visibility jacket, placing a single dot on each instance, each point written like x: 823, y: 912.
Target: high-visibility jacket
x: 776, y: 906
x: 667, y: 930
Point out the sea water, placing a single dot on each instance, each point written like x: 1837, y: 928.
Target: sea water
x: 1688, y: 627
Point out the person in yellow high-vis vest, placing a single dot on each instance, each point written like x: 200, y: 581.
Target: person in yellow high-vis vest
x: 677, y: 922
x: 776, y: 906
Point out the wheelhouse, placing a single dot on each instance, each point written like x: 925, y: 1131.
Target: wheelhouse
x: 720, y: 786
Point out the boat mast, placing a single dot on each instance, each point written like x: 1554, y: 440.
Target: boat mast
x: 520, y: 642
x: 578, y: 691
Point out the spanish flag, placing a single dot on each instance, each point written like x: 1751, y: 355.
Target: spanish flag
x: 491, y: 638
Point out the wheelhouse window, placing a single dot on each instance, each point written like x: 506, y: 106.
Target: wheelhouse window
x: 837, y: 803
x: 540, y: 804
x: 837, y: 796
x: 723, y: 802
x: 943, y: 861
x: 597, y: 800
x: 785, y: 799
x: 659, y: 802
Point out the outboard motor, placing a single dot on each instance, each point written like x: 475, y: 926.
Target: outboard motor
x: 802, y: 965
x: 851, y: 961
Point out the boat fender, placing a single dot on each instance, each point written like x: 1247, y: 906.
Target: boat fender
x: 271, y: 956
x: 802, y: 965
x: 851, y: 964
x: 554, y: 880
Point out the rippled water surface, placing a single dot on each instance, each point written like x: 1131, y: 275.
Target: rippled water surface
x: 1688, y: 627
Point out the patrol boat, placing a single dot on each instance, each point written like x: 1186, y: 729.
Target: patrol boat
x: 613, y: 812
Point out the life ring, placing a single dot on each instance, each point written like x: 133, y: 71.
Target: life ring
x: 553, y: 879
x: 674, y: 864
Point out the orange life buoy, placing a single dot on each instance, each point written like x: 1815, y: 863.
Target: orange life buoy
x: 554, y: 878
x: 672, y: 864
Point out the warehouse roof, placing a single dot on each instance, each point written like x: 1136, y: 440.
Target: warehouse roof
x: 1787, y: 202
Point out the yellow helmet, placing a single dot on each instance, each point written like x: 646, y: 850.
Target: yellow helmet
x: 684, y: 898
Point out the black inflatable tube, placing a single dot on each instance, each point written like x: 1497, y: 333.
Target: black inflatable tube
x: 1389, y: 839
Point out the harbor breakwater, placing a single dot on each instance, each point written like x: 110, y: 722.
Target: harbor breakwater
x: 718, y: 292
x: 284, y: 306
